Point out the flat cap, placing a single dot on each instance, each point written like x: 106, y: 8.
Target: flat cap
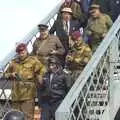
x: 42, y: 27
x: 21, y: 47
x: 94, y: 6
x: 67, y: 9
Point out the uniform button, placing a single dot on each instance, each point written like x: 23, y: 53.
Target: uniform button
x: 55, y: 85
x: 117, y: 1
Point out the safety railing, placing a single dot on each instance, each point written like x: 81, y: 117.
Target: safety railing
x: 32, y: 35
x: 5, y: 85
x: 93, y: 91
x: 114, y: 103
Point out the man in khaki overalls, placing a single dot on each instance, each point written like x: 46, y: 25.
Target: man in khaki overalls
x: 25, y: 71
x: 97, y: 27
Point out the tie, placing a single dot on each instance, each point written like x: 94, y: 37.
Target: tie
x: 66, y: 27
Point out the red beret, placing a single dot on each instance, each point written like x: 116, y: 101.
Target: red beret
x: 75, y: 35
x: 21, y: 47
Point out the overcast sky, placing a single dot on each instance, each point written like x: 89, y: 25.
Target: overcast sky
x: 19, y: 17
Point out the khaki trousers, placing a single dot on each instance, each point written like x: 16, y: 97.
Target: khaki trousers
x: 26, y: 106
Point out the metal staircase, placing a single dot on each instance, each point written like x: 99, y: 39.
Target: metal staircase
x: 5, y: 85
x: 95, y: 94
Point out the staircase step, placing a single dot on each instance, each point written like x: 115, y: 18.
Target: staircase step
x: 98, y: 92
x: 96, y: 108
x: 104, y: 99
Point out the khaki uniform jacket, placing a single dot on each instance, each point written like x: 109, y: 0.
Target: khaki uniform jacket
x: 99, y: 25
x: 96, y: 28
x: 28, y: 71
x: 79, y: 56
x: 77, y: 11
x: 43, y: 48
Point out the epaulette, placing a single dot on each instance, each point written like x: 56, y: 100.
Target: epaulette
x: 52, y: 37
x: 33, y: 57
x: 15, y: 59
x: 66, y: 71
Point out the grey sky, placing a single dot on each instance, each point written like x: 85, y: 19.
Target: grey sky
x: 17, y: 18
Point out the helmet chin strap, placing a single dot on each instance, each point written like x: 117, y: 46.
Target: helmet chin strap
x: 54, y: 68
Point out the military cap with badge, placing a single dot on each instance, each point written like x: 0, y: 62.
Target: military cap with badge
x: 42, y: 27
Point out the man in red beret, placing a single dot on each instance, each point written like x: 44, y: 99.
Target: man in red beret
x: 21, y: 47
x: 21, y: 50
x: 78, y: 56
x: 26, y: 71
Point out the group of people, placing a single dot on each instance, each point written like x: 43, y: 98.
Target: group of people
x: 56, y: 61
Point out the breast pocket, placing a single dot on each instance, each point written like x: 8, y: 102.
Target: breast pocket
x: 28, y: 71
x: 28, y: 65
x: 58, y: 84
x: 55, y: 85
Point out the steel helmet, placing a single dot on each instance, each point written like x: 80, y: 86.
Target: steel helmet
x: 54, y: 59
x: 14, y: 115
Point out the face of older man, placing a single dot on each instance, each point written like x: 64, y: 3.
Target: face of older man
x: 44, y: 33
x: 66, y: 16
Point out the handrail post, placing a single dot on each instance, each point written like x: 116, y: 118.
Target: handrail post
x: 114, y: 77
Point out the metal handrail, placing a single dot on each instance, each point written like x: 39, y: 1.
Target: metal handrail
x: 27, y: 39
x: 5, y: 90
x: 64, y: 110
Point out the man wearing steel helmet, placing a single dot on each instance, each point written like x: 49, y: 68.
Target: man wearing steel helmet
x: 25, y: 71
x: 57, y: 83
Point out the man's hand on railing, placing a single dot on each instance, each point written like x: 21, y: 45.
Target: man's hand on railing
x: 11, y: 76
x: 1, y: 75
x: 17, y: 77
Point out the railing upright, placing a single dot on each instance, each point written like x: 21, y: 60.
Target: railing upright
x: 88, y: 96
x: 5, y: 85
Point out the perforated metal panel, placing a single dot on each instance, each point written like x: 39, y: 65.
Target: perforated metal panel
x: 95, y: 87
x: 6, y: 85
